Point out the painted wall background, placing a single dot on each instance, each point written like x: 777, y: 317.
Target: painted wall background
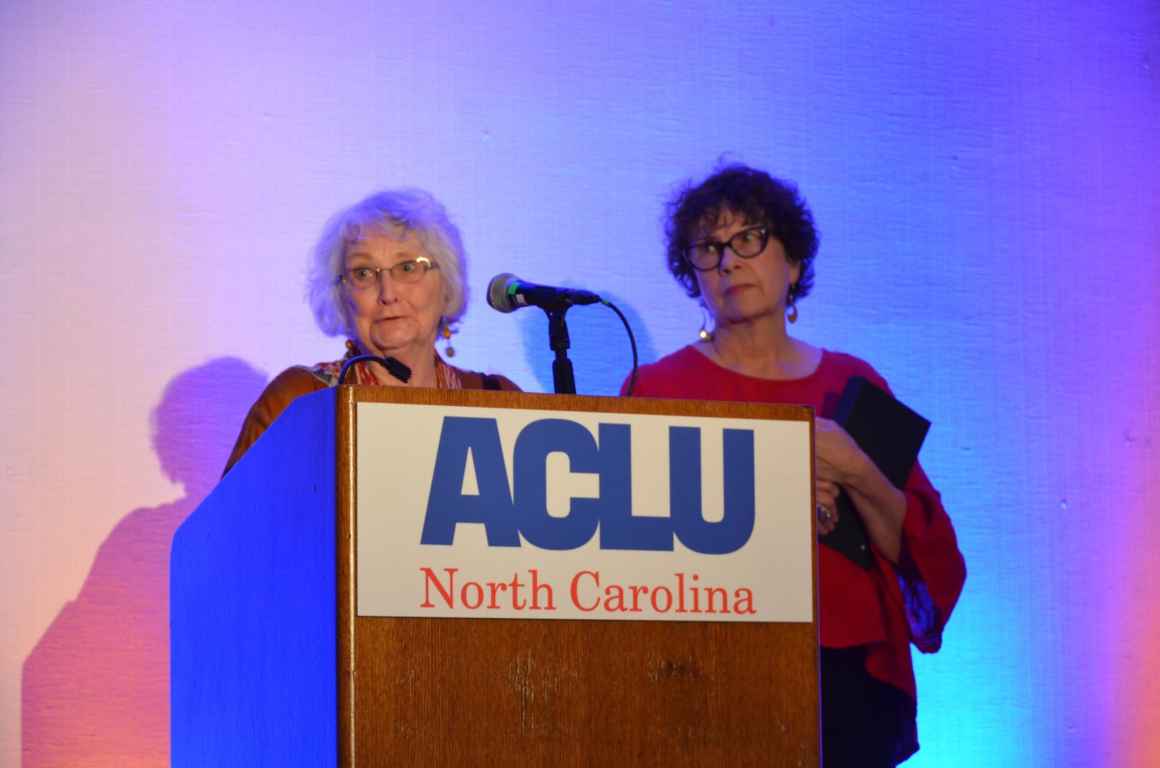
x: 987, y: 183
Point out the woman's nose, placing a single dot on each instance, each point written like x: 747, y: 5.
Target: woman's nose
x: 729, y: 259
x: 386, y: 288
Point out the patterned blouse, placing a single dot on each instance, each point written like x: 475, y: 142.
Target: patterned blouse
x: 446, y: 377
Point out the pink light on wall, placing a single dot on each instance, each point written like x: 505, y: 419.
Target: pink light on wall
x: 1139, y: 668
x: 95, y: 690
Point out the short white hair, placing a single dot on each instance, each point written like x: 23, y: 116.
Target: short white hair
x: 394, y: 212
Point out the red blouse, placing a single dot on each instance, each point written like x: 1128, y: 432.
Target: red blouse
x: 876, y: 608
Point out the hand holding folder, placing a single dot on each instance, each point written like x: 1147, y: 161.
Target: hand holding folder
x: 891, y: 434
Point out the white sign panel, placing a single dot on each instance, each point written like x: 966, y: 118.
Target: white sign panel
x: 499, y: 513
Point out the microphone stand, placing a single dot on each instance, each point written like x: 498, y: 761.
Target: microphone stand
x: 563, y: 378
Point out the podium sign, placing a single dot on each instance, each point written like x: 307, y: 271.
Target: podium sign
x: 483, y: 513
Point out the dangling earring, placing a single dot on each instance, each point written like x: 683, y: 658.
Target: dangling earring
x: 791, y: 312
x: 704, y: 334
x: 446, y: 332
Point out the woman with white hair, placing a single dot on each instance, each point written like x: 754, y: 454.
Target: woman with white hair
x: 389, y: 274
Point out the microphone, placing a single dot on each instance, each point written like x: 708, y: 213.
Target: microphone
x: 399, y: 370
x: 507, y: 293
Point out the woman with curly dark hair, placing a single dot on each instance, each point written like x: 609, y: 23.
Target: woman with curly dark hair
x: 744, y: 243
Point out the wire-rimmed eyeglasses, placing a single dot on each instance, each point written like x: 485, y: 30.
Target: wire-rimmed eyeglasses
x: 365, y: 277
x: 706, y: 255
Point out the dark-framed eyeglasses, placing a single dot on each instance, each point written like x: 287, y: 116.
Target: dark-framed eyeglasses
x: 365, y: 277
x: 706, y: 255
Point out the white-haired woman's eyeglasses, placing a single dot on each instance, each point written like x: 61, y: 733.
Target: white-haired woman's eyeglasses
x: 365, y: 278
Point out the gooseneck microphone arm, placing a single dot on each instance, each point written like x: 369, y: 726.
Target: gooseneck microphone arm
x: 397, y: 369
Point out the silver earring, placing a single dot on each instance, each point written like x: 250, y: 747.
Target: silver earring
x: 704, y: 334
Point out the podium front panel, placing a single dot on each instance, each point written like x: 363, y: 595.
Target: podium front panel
x: 486, y: 615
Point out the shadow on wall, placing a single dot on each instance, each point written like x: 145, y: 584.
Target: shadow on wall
x: 95, y: 689
x: 601, y: 355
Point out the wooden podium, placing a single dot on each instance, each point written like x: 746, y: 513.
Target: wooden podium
x: 272, y: 663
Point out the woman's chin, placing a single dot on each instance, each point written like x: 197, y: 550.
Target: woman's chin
x: 395, y: 350
x: 397, y: 345
x: 747, y: 315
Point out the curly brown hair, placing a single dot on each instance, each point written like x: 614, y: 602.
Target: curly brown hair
x: 747, y: 192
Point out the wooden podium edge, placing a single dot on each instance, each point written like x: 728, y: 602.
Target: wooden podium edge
x: 532, y: 401
x: 347, y: 493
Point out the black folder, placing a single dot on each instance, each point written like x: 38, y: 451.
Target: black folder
x: 891, y: 434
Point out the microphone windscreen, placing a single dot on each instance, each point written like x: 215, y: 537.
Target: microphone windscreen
x: 497, y: 292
